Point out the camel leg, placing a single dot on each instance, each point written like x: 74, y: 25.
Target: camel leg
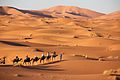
x: 25, y: 63
x: 46, y: 60
x: 33, y: 63
x: 52, y: 58
x: 40, y: 61
x: 37, y: 62
x: 43, y: 61
x: 30, y: 64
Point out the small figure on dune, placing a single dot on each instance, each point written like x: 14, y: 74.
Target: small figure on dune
x: 61, y: 55
x: 54, y: 55
x: 2, y: 60
x: 48, y: 56
x: 16, y: 60
x: 42, y: 58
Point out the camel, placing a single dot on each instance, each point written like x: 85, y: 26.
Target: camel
x: 42, y: 59
x: 54, y: 56
x: 48, y: 57
x: 35, y: 60
x: 16, y: 60
x: 27, y: 60
x: 2, y: 60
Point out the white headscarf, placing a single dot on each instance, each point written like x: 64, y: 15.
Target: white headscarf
x: 42, y: 54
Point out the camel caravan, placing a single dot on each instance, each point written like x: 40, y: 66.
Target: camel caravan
x: 31, y: 61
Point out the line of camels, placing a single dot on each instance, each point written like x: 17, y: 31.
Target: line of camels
x: 30, y: 61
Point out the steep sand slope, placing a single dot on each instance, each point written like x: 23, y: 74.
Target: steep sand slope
x: 6, y: 10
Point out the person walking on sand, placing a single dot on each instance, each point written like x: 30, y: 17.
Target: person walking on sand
x: 61, y: 55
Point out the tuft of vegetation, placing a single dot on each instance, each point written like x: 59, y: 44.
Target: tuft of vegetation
x: 75, y: 36
x: 89, y: 30
x: 18, y: 75
x: 27, y: 38
x: 99, y: 35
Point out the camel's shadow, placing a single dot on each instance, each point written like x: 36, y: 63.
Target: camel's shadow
x: 54, y: 62
x: 45, y: 66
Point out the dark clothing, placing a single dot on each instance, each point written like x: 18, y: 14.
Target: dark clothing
x: 17, y: 59
x: 43, y: 57
x: 36, y: 58
x: 27, y: 58
x: 61, y: 57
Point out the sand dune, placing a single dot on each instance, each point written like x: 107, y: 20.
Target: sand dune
x: 71, y: 12
x: 10, y: 10
x: 70, y: 30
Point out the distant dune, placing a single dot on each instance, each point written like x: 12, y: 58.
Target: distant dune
x: 72, y: 12
x: 6, y: 10
x: 57, y: 11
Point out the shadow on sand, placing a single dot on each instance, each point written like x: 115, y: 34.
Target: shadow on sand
x: 46, y: 67
x: 13, y: 43
x: 54, y: 62
x: 5, y: 65
x: 43, y: 67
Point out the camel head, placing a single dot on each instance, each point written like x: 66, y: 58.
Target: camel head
x: 20, y: 59
x: 31, y: 59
